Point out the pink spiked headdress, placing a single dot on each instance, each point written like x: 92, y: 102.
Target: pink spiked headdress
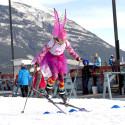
x: 58, y: 28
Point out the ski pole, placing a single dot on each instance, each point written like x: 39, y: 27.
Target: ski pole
x: 26, y: 100
x: 31, y: 84
x: 49, y: 99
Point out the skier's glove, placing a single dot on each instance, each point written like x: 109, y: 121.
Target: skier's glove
x: 79, y: 59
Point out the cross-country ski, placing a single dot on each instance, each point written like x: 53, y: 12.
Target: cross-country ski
x: 73, y: 106
x: 49, y: 99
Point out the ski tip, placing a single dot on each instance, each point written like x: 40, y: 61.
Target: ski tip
x: 82, y: 109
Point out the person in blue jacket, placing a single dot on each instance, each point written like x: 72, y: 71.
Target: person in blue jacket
x: 97, y: 60
x: 112, y: 60
x: 97, y: 63
x: 23, y: 80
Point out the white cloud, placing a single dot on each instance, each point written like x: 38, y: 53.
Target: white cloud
x: 121, y: 19
x: 97, y: 17
x: 3, y: 2
x: 100, y: 22
x: 94, y: 23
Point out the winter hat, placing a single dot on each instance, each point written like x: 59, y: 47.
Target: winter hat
x: 85, y: 60
x: 23, y: 66
x: 96, y: 55
x: 112, y: 56
x: 62, y: 35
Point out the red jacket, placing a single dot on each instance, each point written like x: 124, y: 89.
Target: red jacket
x: 42, y: 83
x: 16, y: 80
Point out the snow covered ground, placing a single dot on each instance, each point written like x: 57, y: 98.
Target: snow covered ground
x: 101, y: 113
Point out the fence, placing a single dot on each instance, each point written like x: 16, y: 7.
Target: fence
x: 6, y: 81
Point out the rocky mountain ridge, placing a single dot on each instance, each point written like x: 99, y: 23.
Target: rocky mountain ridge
x: 32, y: 29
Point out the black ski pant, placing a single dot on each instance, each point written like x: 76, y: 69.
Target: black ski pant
x: 24, y: 90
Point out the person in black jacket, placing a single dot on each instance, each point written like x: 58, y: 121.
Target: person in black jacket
x: 86, y: 74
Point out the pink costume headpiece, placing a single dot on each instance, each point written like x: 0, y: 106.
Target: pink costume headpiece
x: 58, y: 31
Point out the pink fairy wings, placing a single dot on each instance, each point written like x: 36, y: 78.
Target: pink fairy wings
x: 58, y: 27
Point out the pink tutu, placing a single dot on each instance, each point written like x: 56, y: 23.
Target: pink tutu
x: 51, y: 64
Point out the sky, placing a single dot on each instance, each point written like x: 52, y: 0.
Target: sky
x: 93, y: 15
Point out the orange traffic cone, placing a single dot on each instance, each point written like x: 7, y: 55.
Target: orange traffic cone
x: 10, y: 95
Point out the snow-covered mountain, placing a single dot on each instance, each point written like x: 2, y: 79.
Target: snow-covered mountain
x: 32, y: 29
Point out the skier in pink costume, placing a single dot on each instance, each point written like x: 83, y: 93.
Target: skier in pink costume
x: 52, y: 59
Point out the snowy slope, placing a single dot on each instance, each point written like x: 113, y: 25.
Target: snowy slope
x: 102, y: 113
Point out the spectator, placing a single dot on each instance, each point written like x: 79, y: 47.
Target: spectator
x: 38, y: 80
x: 112, y: 60
x: 97, y: 63
x: 16, y: 80
x: 97, y: 60
x: 31, y: 76
x: 86, y: 74
x: 23, y: 80
x: 16, y: 85
x: 0, y: 74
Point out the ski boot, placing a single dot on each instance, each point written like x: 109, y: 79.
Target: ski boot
x: 63, y: 96
x: 49, y: 92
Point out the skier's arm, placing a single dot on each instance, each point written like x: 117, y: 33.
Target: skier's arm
x: 39, y: 77
x: 71, y: 51
x: 43, y: 53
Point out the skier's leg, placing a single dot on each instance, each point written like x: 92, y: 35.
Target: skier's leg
x: 85, y: 86
x: 61, y: 87
x: 50, y: 82
x: 22, y: 90
x: 26, y: 90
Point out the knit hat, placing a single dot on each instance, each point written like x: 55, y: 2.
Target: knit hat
x: 62, y: 35
x: 112, y: 56
x: 85, y: 60
x: 96, y: 55
x: 23, y: 66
